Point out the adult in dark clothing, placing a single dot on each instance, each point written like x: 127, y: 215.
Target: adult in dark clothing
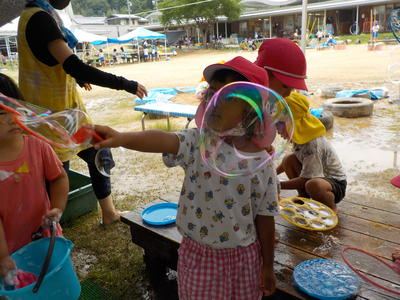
x: 48, y: 73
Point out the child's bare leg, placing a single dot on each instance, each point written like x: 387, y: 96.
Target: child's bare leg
x: 292, y: 167
x: 321, y: 190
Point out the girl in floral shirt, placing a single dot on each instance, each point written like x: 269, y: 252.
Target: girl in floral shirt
x: 227, y: 224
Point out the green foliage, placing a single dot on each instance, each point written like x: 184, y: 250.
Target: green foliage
x: 203, y: 13
x: 99, y: 8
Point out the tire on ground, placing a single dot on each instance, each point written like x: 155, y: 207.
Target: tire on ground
x: 326, y: 118
x: 349, y: 107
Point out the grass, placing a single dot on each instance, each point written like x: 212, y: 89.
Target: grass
x: 365, y: 38
x: 107, y: 257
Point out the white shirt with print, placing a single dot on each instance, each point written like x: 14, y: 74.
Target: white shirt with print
x: 319, y: 159
x: 217, y: 211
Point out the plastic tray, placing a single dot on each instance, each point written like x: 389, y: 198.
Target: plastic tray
x: 160, y: 214
x: 308, y: 214
x: 326, y: 279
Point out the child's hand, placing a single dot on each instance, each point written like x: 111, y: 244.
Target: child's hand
x: 270, y: 149
x: 6, y: 264
x: 268, y: 281
x: 53, y: 215
x: 111, y: 137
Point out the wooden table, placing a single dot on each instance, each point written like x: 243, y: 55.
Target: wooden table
x: 368, y: 223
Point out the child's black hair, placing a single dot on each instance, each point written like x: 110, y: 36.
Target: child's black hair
x: 224, y: 75
x: 9, y: 88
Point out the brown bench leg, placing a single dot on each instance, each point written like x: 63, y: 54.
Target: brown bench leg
x: 156, y: 268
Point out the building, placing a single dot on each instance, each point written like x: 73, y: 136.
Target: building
x: 121, y: 19
x: 337, y: 16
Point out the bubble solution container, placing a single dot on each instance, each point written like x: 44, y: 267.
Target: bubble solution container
x: 60, y: 282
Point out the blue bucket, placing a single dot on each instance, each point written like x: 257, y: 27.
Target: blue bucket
x: 60, y: 282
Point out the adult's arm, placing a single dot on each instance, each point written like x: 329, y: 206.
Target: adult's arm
x: 84, y: 73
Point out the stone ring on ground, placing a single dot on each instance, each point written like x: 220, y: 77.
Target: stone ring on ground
x: 349, y: 107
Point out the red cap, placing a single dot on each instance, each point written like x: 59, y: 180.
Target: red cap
x: 285, y: 60
x: 239, y: 64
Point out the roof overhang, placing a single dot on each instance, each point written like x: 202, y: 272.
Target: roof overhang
x: 313, y: 7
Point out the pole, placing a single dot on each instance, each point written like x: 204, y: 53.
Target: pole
x: 226, y: 29
x: 357, y: 12
x: 303, y: 26
x: 165, y: 44
x: 270, y: 27
x: 217, y: 30
x: 129, y: 12
x: 138, y: 51
x: 370, y: 24
x: 8, y: 47
x: 324, y: 21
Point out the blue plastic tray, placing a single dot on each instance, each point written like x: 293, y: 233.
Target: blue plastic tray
x: 160, y: 214
x: 326, y: 279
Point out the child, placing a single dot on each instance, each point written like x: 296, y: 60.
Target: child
x: 285, y: 63
x: 314, y: 168
x: 101, y: 58
x: 25, y: 165
x: 375, y: 31
x: 227, y: 224
x: 146, y: 54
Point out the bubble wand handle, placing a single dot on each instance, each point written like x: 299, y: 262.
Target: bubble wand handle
x: 393, y: 267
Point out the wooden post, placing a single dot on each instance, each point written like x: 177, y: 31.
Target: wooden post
x: 370, y: 24
x: 304, y: 25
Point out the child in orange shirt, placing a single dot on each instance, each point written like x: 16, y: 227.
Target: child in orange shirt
x: 25, y: 165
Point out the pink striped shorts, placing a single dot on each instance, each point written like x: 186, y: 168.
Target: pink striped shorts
x: 206, y: 273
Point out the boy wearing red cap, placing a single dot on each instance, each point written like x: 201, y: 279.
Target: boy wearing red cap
x: 314, y: 168
x: 285, y: 63
x: 227, y: 224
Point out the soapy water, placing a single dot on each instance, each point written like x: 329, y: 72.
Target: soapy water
x: 288, y: 212
x: 329, y: 242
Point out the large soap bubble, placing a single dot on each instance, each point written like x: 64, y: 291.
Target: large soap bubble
x: 394, y: 77
x: 239, y: 126
x: 68, y: 131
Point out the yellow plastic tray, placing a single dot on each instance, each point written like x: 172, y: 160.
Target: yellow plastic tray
x: 308, y: 214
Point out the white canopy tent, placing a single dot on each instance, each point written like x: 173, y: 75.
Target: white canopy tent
x: 10, y: 29
x: 8, y: 32
x: 87, y: 37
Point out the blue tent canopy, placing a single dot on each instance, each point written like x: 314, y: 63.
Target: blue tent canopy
x: 138, y: 34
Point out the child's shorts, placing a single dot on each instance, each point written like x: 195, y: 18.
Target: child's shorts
x: 206, y: 273
x: 374, y: 34
x: 338, y: 188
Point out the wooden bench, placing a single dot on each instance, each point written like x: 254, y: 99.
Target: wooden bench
x: 368, y: 223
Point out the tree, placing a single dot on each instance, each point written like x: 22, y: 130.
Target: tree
x: 203, y: 14
x: 107, y: 7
